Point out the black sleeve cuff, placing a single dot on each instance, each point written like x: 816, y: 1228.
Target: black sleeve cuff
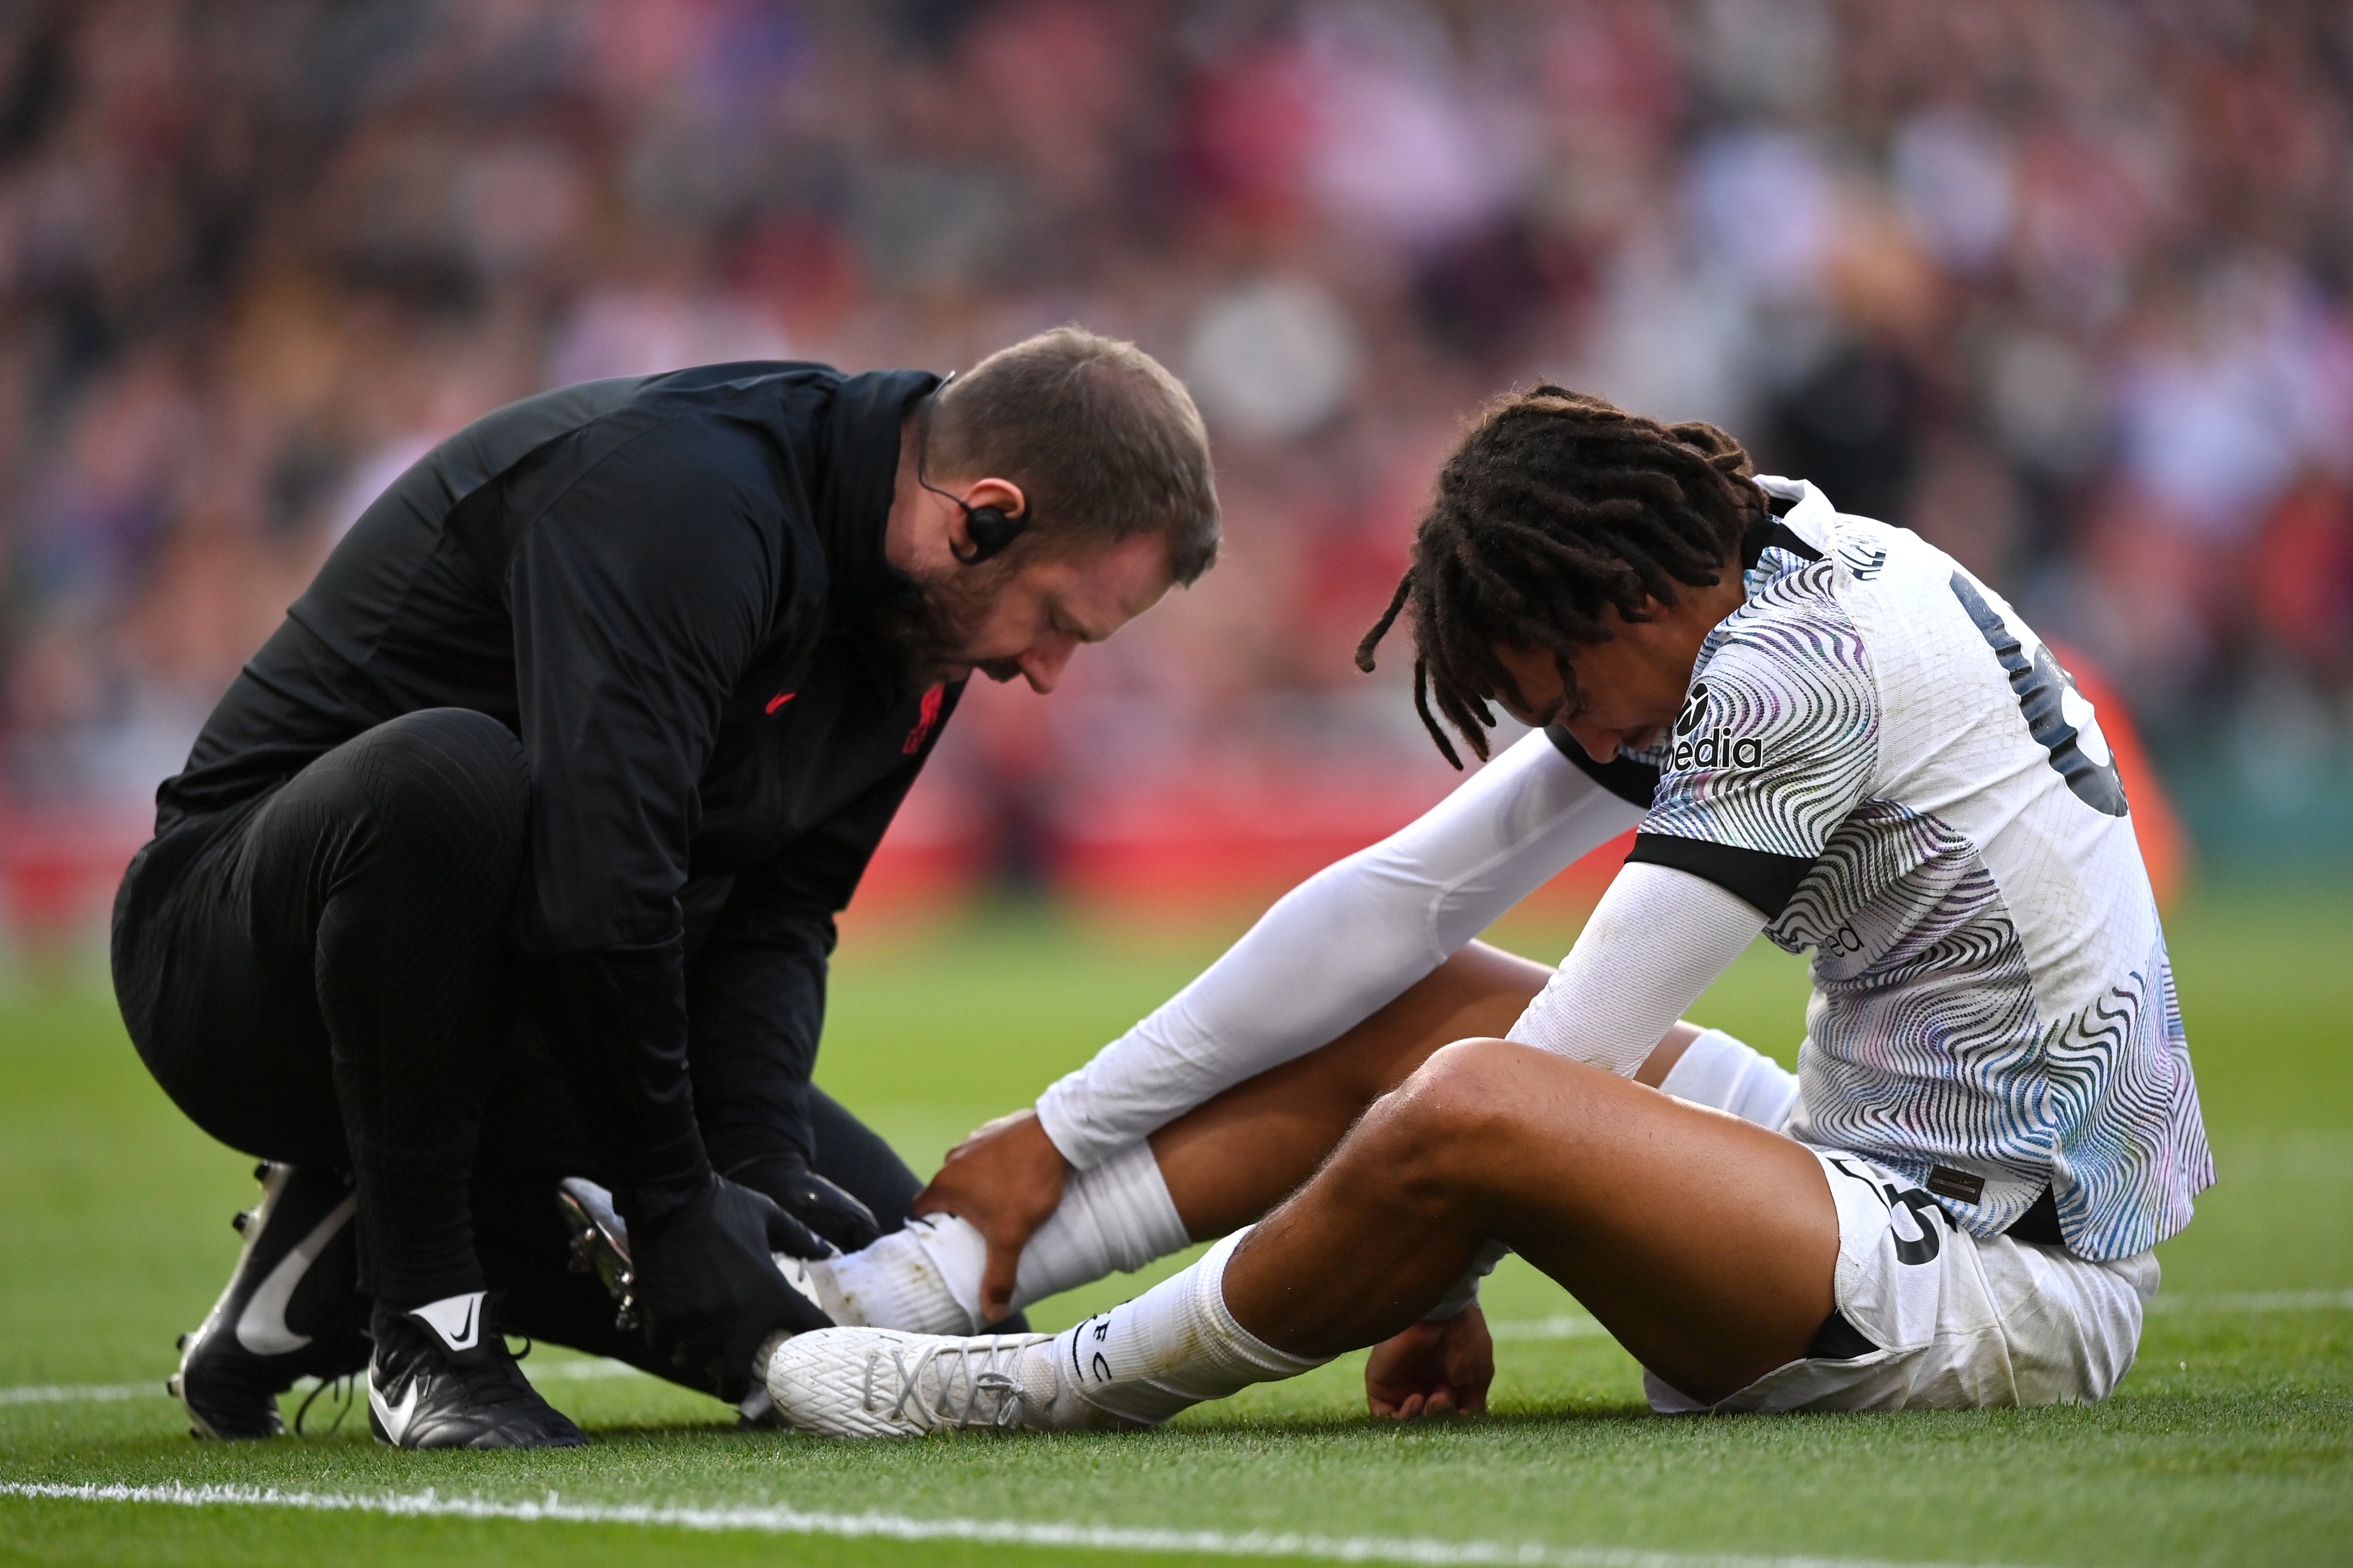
x: 1754, y: 876
x: 1632, y: 782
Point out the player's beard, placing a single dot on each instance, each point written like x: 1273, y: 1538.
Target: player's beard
x: 923, y: 638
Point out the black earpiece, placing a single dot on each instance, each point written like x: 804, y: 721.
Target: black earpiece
x: 992, y: 531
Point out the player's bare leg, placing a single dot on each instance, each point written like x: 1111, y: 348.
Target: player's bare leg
x: 1006, y: 1223
x: 1704, y: 1244
x: 1707, y: 1245
x: 1025, y: 1226
x: 1234, y: 1157
x: 1230, y: 1159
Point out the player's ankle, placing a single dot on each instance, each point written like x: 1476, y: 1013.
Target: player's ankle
x: 921, y: 1278
x: 1114, y: 1217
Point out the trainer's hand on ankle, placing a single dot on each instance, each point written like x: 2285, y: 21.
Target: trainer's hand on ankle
x: 1005, y: 1179
x: 1433, y: 1369
x: 709, y: 1288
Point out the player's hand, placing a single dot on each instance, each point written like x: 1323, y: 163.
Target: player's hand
x: 809, y: 1198
x: 708, y: 1286
x: 1433, y: 1369
x: 1005, y: 1179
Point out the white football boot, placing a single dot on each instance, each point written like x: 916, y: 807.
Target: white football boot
x: 879, y: 1382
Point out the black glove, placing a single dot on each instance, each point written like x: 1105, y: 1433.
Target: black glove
x: 709, y: 1289
x: 810, y: 1199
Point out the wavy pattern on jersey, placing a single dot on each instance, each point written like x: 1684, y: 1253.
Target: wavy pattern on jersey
x: 1927, y: 1042
x: 2134, y: 1154
x: 1927, y: 1045
x: 1789, y: 671
x: 1922, y: 1046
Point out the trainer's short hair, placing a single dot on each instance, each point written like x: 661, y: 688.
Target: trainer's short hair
x: 1104, y: 443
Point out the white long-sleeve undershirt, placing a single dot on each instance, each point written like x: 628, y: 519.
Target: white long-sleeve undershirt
x: 1658, y: 938
x: 1339, y: 946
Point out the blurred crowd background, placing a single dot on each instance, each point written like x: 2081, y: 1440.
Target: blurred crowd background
x: 2062, y: 284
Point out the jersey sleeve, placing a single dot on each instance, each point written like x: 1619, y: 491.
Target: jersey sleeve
x: 1776, y: 742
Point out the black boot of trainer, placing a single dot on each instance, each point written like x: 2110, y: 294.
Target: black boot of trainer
x: 293, y: 1308
x: 441, y: 1378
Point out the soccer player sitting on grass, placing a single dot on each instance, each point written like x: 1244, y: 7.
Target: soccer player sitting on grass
x: 1826, y: 731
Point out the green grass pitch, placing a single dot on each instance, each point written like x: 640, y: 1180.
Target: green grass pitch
x: 2232, y: 1441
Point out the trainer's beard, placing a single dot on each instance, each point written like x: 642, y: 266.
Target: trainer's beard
x: 923, y: 638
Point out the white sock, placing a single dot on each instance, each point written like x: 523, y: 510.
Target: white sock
x: 925, y: 1278
x: 1116, y: 1217
x: 1172, y: 1347
x: 1718, y: 1071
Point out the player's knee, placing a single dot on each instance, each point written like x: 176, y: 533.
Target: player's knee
x: 1443, y: 1123
x: 448, y: 785
x: 1473, y: 1075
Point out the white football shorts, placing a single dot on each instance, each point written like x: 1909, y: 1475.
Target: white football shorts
x: 1955, y: 1323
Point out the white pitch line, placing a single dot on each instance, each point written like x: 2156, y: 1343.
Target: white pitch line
x: 1559, y: 1326
x: 80, y: 1393
x: 94, y: 1393
x: 572, y: 1371
x: 1421, y: 1550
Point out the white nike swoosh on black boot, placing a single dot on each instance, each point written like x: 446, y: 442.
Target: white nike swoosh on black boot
x: 293, y: 1308
x: 443, y: 1378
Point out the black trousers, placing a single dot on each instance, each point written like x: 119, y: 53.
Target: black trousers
x: 325, y: 976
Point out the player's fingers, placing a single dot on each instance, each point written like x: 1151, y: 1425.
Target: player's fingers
x: 982, y: 1135
x: 945, y: 1196
x: 1466, y: 1385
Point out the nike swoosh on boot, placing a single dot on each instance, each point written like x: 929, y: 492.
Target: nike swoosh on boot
x: 261, y: 1328
x: 394, y: 1418
x: 456, y: 1319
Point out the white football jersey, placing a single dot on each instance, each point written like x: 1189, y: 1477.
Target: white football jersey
x: 1879, y: 753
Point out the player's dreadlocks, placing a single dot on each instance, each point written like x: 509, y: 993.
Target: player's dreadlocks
x: 1554, y: 505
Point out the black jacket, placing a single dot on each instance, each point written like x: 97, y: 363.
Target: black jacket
x: 655, y: 583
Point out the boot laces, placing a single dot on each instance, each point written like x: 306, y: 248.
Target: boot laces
x: 952, y: 1383
x: 344, y: 1390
